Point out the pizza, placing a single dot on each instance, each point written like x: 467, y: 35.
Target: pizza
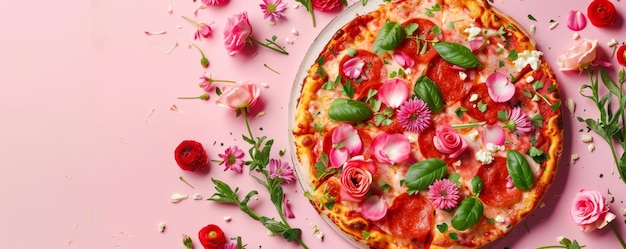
x: 427, y: 124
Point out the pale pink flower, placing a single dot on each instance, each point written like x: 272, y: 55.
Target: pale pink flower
x: 591, y: 210
x: 414, y: 115
x: 443, y: 194
x: 353, y: 67
x: 281, y: 170
x: 374, y: 208
x: 232, y: 159
x: 346, y: 142
x: 286, y: 209
x: 391, y: 148
x: 393, y: 92
x: 521, y: 120
x: 237, y: 32
x: 356, y: 179
x: 576, y: 20
x: 239, y: 96
x: 477, y: 43
x: 578, y: 57
x: 448, y: 142
x: 493, y: 134
x: 273, y: 9
x: 214, y: 2
x: 499, y: 87
x: 204, y: 30
x: 403, y: 59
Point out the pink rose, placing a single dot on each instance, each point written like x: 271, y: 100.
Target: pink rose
x: 236, y: 33
x: 356, y: 178
x: 579, y: 56
x: 448, y: 142
x: 590, y: 210
x: 239, y: 96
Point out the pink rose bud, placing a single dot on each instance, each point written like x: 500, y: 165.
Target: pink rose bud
x: 241, y: 95
x: 448, y: 142
x: 236, y: 33
x: 590, y: 210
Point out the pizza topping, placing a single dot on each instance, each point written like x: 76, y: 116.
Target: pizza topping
x: 423, y: 173
x: 484, y: 156
x: 492, y: 134
x: 528, y: 57
x: 472, y: 32
x: 356, y: 179
x: 477, y: 43
x: 393, y: 92
x: 345, y: 143
x: 519, y: 121
x: 462, y: 75
x: 457, y: 54
x: 391, y: 148
x: 347, y: 110
x: 389, y: 37
x: 443, y: 194
x: 576, y: 20
x: 519, y: 170
x: 414, y: 115
x: 499, y: 87
x: 411, y: 216
x: 403, y: 59
x: 353, y: 67
x: 426, y: 90
x: 374, y: 208
x: 467, y: 214
x: 449, y: 142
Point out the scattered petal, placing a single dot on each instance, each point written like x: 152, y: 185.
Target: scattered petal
x: 477, y: 43
x: 553, y: 25
x: 571, y: 106
x: 197, y: 197
x: 493, y: 134
x: 533, y: 28
x: 161, y: 227
x: 227, y: 218
x: 169, y: 51
x: 162, y: 32
x: 576, y: 20
x: 586, y: 138
x: 393, y: 92
x: 612, y: 43
x: 294, y: 32
x: 374, y: 208
x: 265, y: 85
x: 573, y: 158
x: 147, y: 119
x: 287, y: 209
x: 591, y: 147
x: 575, y: 36
x: 353, y: 67
x: 169, y: 7
x: 499, y: 87
x: 201, y: 6
x: 177, y: 197
x: 391, y: 148
x: 403, y: 59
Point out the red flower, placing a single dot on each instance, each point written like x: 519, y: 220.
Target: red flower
x: 191, y: 156
x: 621, y: 55
x: 325, y: 5
x: 211, y: 237
x: 601, y: 13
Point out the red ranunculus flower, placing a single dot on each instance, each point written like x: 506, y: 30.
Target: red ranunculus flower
x: 191, y: 156
x: 621, y: 55
x: 211, y: 237
x: 602, y: 13
x: 325, y: 5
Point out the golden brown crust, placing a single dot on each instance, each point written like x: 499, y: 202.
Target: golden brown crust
x: 312, y: 125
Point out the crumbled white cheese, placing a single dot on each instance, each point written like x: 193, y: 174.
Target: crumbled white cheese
x: 575, y: 36
x: 542, y: 205
x: 408, y: 71
x: 591, y: 147
x: 457, y: 163
x: 574, y: 158
x: 623, y: 210
x: 227, y: 218
x: 499, y: 218
x: 553, y: 25
x: 586, y: 138
x: 473, y: 97
x: 493, y: 147
x: 177, y: 197
x: 197, y: 197
x: 473, y: 31
x: 473, y: 134
x: 612, y: 43
x: 571, y: 106
x: 264, y: 84
x: 462, y: 75
x: 532, y: 29
x: 289, y: 41
x: 161, y: 227
x: 528, y: 57
x: 294, y: 32
x: 484, y: 156
x: 412, y: 138
x: 530, y: 79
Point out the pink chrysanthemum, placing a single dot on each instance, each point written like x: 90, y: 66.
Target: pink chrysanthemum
x: 281, y: 170
x: 443, y: 194
x: 521, y: 120
x: 232, y: 159
x: 214, y: 2
x: 273, y: 9
x: 414, y: 115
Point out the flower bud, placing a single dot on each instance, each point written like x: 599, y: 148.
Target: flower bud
x: 204, y: 62
x: 187, y: 242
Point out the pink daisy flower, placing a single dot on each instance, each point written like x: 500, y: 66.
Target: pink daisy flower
x: 443, y: 194
x: 281, y: 170
x: 521, y: 121
x: 273, y: 9
x: 232, y: 159
x: 214, y: 2
x: 414, y: 115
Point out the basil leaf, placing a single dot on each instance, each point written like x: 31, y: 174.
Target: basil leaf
x: 537, y: 154
x: 457, y: 54
x: 456, y: 178
x: 426, y: 90
x: 519, y: 169
x: 477, y: 185
x: 423, y: 173
x: 348, y: 110
x: 389, y: 37
x: 467, y: 214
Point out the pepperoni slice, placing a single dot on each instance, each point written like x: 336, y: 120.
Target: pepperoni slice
x: 374, y: 71
x: 491, y: 112
x: 496, y: 193
x: 411, y: 217
x: 409, y: 46
x: 452, y: 87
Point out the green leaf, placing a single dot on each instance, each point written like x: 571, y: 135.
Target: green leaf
x: 519, y: 170
x: 555, y: 106
x: 609, y: 83
x: 329, y: 205
x: 512, y: 54
x: 384, y: 186
x: 621, y: 168
x: 459, y: 111
x: 277, y: 195
x: 467, y: 214
x: 528, y: 94
x: 366, y: 235
x: 482, y: 107
x: 538, y: 85
x: 389, y: 37
x: 348, y: 110
x: 423, y: 173
x: 351, y: 52
x: 531, y: 17
x: 477, y: 185
x: 436, y: 30
x: 410, y: 28
x: 552, y: 88
x: 537, y: 120
x: 503, y: 115
x: 428, y: 91
x: 537, y: 154
x: 443, y: 227
x: 348, y: 89
x: 456, y: 178
x: 457, y: 54
x: 454, y: 236
x: 436, y: 7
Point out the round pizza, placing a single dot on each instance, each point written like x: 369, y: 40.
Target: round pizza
x: 427, y: 124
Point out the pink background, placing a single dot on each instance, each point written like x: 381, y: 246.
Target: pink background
x: 88, y: 135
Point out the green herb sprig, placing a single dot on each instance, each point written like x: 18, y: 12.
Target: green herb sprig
x: 308, y: 4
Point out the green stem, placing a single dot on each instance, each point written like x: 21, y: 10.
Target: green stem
x: 299, y: 240
x: 245, y: 118
x: 191, y: 20
x: 468, y: 125
x: 199, y: 50
x: 617, y: 235
x: 276, y: 47
x: 617, y: 162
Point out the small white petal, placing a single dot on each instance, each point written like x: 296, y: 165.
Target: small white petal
x: 197, y: 197
x: 623, y: 210
x: 161, y: 227
x: 571, y: 106
x: 553, y: 25
x: 264, y: 84
x: 227, y: 218
x: 294, y: 31
x: 574, y: 158
x: 586, y: 138
x: 612, y: 43
x: 575, y: 36
x: 591, y: 147
x: 532, y: 29
x: 177, y: 197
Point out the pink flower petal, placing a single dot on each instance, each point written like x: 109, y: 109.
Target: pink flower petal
x: 374, y: 208
x: 337, y: 157
x: 477, y: 43
x: 286, y: 209
x: 393, y: 93
x: 391, y: 149
x: 403, y: 59
x: 347, y: 135
x: 576, y: 20
x: 353, y: 67
x: 499, y: 87
x: 492, y: 134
